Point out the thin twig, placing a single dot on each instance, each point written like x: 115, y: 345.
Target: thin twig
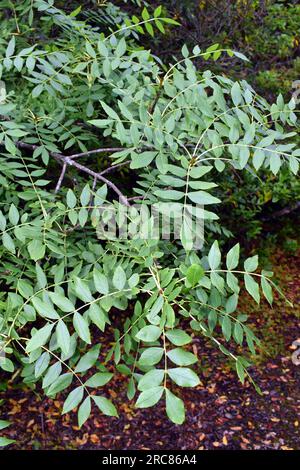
x: 100, y: 150
x: 60, y: 180
x: 135, y: 198
x: 71, y: 162
x: 68, y: 160
x: 282, y: 212
x: 113, y: 167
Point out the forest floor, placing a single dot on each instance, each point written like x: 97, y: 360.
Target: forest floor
x: 221, y: 413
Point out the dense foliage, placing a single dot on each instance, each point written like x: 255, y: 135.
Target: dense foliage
x: 88, y: 116
x: 268, y: 34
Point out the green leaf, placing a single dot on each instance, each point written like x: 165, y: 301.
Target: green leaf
x: 142, y: 160
x: 45, y: 309
x: 85, y: 195
x: 240, y: 371
x: 149, y: 397
x: 194, y: 273
x: 232, y: 282
x: 267, y: 290
x: 2, y: 221
x: 8, y: 243
x: 145, y: 14
x: 181, y: 357
x: 238, y: 333
x: 178, y: 337
x: 217, y: 281
x: 84, y: 411
x: 293, y: 165
x: 99, y: 379
x: 151, y: 356
x: 36, y: 249
x: 82, y: 290
x: 81, y: 327
x: 7, y: 365
x: 37, y: 91
x: 214, y: 256
x: 71, y: 199
x: 106, y: 406
x: 258, y: 158
x: 97, y: 316
x: 10, y: 47
x: 226, y: 327
x: 169, y: 313
x: 184, y: 377
x: 169, y: 194
x: 73, y: 399
x: 4, y: 441
x: 25, y: 288
x: 121, y: 47
x: 13, y: 215
x: 52, y: 374
x: 41, y: 277
x: 100, y: 281
x: 119, y: 278
x: 109, y: 111
x: 251, y: 264
x: 157, y: 11
x: 156, y: 307
x: 4, y: 424
x: 236, y: 94
x: 60, y: 384
x: 231, y: 303
x: 39, y: 338
x: 83, y: 216
x: 151, y: 379
x: 133, y: 280
x: 88, y: 360
x: 199, y: 171
x: 62, y: 302
x: 174, y: 408
x: 203, y: 198
x: 63, y: 337
x: 102, y: 48
x: 149, y: 333
x: 252, y: 287
x: 232, y: 258
x: 275, y: 163
x: 41, y: 364
x: 90, y: 50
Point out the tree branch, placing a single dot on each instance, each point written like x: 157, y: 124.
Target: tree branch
x: 60, y: 180
x: 282, y: 212
x: 113, y: 167
x: 92, y: 152
x: 71, y: 162
x: 68, y: 160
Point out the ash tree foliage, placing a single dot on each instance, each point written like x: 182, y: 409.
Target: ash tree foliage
x: 82, y: 106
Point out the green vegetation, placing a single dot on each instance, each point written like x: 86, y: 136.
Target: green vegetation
x: 82, y: 105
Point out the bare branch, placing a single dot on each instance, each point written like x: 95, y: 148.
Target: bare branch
x: 71, y: 162
x: 68, y: 160
x: 95, y: 151
x: 113, y: 167
x: 282, y: 212
x: 60, y: 180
